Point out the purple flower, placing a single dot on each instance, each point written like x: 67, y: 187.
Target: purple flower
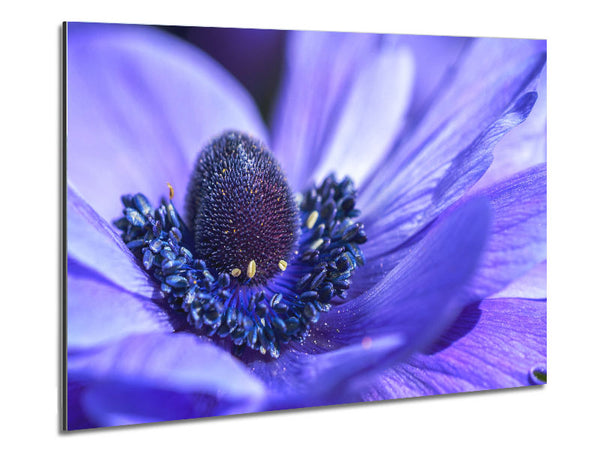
x: 452, y: 296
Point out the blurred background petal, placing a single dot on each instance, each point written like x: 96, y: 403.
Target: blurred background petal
x: 141, y: 105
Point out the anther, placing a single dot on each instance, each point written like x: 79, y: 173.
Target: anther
x: 251, y: 271
x: 314, y: 245
x: 312, y: 219
x: 252, y: 224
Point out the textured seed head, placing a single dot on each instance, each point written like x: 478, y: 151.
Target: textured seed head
x: 241, y: 208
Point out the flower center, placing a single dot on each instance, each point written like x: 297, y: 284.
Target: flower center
x: 261, y: 268
x: 242, y: 212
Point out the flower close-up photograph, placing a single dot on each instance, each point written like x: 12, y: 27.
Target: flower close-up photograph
x: 262, y: 220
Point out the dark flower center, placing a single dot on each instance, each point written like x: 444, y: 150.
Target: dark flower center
x: 242, y: 212
x: 261, y: 268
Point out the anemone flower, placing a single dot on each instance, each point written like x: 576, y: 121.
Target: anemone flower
x: 399, y: 251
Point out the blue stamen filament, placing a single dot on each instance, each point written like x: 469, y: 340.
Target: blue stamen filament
x: 261, y: 316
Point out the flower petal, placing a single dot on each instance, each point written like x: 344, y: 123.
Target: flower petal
x: 141, y: 104
x: 494, y: 344
x: 451, y: 149
x: 518, y: 239
x: 406, y: 311
x: 435, y: 58
x: 113, y: 404
x: 372, y: 115
x: 359, y: 93
x: 531, y: 285
x: 99, y: 312
x: 148, y: 372
x: 425, y: 290
x: 300, y: 380
x: 76, y: 416
x: 522, y: 147
x: 92, y: 242
x: 408, y: 213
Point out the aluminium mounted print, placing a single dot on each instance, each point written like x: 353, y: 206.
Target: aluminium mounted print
x: 260, y: 220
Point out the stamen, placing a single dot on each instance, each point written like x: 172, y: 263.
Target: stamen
x: 251, y: 271
x: 261, y: 312
x: 312, y: 219
x: 315, y: 244
x: 171, y: 191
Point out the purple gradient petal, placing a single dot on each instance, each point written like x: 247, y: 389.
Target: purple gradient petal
x: 93, y: 242
x: 177, y: 367
x: 77, y: 419
x: 342, y: 92
x: 494, y: 345
x: 113, y: 404
x: 450, y: 149
x: 180, y: 362
x: 409, y: 212
x: 141, y: 104
x: 333, y: 377
x: 99, y: 312
x: 413, y: 207
x: 372, y: 115
x: 406, y: 311
x: 318, y: 69
x: 518, y: 238
x: 425, y: 290
x: 435, y: 59
x: 531, y: 285
x: 522, y: 147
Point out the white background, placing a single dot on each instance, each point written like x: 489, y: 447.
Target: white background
x: 563, y: 413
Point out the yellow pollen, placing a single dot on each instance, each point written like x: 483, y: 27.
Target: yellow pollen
x: 282, y: 265
x: 312, y: 219
x: 236, y: 272
x: 251, y: 271
x: 171, y: 191
x: 316, y: 244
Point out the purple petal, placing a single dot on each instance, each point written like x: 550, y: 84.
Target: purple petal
x: 421, y: 294
x: 113, y: 404
x: 406, y: 311
x: 99, y: 312
x: 451, y: 148
x: 92, y: 242
x: 503, y: 341
x: 531, y: 285
x: 77, y: 419
x: 522, y: 147
x: 518, y: 239
x: 415, y: 208
x: 435, y: 58
x: 372, y: 114
x: 358, y: 88
x: 141, y: 104
x: 194, y: 375
x: 299, y: 379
